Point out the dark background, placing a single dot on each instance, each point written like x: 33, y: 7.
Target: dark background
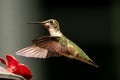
x: 92, y: 24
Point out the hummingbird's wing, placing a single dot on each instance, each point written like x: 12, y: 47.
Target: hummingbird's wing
x: 51, y: 44
x: 33, y: 51
x: 43, y: 47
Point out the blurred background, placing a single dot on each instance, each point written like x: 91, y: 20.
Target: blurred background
x: 92, y: 24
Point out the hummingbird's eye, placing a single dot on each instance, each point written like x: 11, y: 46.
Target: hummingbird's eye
x: 51, y: 22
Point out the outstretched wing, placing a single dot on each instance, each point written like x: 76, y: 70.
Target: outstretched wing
x: 43, y: 47
x: 33, y: 51
x: 50, y: 43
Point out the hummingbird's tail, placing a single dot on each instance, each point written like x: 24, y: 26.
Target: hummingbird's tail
x: 85, y: 60
x: 88, y: 61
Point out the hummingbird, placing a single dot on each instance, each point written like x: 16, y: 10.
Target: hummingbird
x: 54, y: 45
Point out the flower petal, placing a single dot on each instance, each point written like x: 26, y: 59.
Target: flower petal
x: 24, y: 71
x: 3, y: 61
x: 5, y: 75
x: 15, y: 67
x: 12, y: 63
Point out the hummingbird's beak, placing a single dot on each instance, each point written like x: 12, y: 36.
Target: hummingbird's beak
x: 35, y: 23
x: 43, y: 23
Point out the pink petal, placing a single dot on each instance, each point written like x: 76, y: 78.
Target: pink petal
x: 12, y: 63
x: 24, y: 71
x: 3, y: 61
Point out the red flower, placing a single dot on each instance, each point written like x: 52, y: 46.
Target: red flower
x: 13, y: 66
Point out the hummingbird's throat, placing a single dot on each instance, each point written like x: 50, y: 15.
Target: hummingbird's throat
x: 54, y: 32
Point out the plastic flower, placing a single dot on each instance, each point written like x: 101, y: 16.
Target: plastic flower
x: 13, y: 66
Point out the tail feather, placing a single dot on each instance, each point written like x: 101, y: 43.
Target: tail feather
x: 85, y: 60
x: 88, y: 61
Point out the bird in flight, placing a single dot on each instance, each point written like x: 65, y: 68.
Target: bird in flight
x: 54, y: 45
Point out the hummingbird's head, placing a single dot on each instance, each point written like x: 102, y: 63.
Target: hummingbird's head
x: 51, y: 24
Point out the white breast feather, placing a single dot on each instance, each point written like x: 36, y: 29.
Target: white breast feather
x: 53, y: 32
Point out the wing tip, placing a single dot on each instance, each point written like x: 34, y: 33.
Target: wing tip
x: 33, y: 52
